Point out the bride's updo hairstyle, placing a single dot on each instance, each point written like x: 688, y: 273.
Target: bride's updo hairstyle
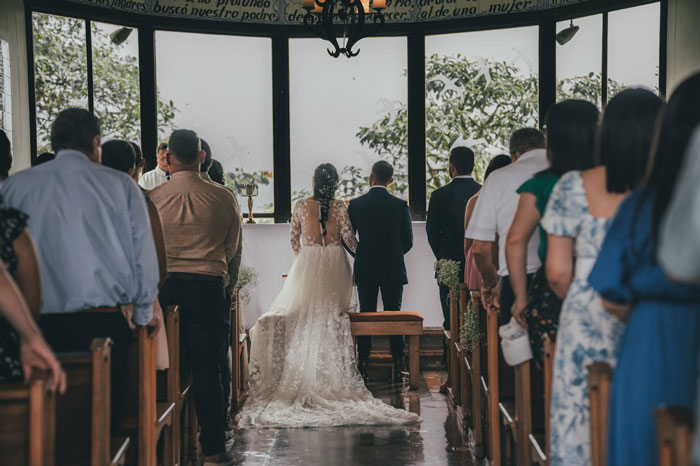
x: 325, y: 185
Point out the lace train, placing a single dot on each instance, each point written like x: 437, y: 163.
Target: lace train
x: 302, y: 362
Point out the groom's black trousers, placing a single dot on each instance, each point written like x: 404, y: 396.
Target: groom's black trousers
x: 392, y: 295
x: 205, y: 331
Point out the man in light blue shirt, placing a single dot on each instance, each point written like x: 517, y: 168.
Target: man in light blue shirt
x: 95, y: 246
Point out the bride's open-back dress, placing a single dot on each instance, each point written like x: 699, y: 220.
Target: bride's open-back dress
x: 302, y: 360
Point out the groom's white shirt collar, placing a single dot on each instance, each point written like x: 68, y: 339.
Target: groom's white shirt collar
x: 462, y: 176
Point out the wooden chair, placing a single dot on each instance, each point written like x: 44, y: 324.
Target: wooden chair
x: 83, y: 413
x: 674, y: 434
x: 406, y: 323
x: 239, y: 390
x: 27, y: 426
x: 145, y: 415
x: 599, y: 381
x: 539, y: 446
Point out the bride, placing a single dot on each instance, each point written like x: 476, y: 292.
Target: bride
x: 303, y: 371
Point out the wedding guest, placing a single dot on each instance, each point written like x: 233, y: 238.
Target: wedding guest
x: 658, y: 358
x: 445, y: 215
x: 140, y: 161
x: 571, y: 131
x: 383, y: 224
x: 121, y: 156
x: 216, y: 172
x: 43, y: 158
x: 493, y: 214
x: 679, y: 251
x: 22, y: 347
x: 206, y: 164
x: 160, y: 174
x: 578, y: 214
x: 202, y: 231
x: 91, y: 227
x: 471, y: 274
x: 5, y: 157
x: 151, y: 160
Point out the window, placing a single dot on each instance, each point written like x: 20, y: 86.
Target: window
x: 349, y: 112
x: 480, y: 87
x: 5, y: 90
x: 221, y: 87
x: 60, y: 70
x: 116, y: 90
x: 633, y: 48
x: 580, y: 61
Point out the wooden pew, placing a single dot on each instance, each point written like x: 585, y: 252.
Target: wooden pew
x: 599, y: 381
x: 539, y: 446
x: 472, y: 363
x: 464, y: 410
x: 83, y: 413
x: 406, y: 323
x: 452, y: 345
x: 491, y: 389
x: 239, y: 390
x: 674, y: 433
x: 147, y: 417
x: 27, y: 422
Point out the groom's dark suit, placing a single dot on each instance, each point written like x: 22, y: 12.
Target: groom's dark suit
x: 383, y: 223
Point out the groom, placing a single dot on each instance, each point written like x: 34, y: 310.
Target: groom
x: 383, y: 224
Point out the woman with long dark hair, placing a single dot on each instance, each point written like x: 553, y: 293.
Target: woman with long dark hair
x: 578, y: 214
x: 303, y: 371
x: 658, y: 359
x: 571, y: 129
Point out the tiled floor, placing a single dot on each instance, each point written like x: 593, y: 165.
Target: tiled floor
x: 435, y: 442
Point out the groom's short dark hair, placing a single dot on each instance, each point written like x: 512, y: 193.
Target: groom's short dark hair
x: 462, y: 158
x: 382, y: 171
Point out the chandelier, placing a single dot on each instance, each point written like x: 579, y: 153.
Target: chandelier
x: 324, y: 17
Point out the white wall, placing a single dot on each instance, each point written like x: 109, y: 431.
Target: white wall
x: 12, y: 30
x: 266, y: 248
x: 683, y: 41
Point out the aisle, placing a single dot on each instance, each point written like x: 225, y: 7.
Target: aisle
x: 436, y: 442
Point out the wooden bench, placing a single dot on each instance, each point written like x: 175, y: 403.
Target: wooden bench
x: 539, y: 446
x: 674, y: 433
x: 145, y: 416
x: 27, y: 414
x: 491, y: 389
x: 83, y: 413
x: 238, y: 343
x: 389, y: 323
x: 472, y: 364
x: 599, y: 381
x: 453, y: 350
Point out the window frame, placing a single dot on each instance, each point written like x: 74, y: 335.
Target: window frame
x: 415, y: 33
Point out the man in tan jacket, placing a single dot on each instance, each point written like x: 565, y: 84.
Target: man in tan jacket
x: 202, y: 227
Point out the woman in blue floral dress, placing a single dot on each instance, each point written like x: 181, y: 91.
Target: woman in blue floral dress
x: 577, y: 218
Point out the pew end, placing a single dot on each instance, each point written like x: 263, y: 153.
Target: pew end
x: 674, y: 435
x: 27, y: 430
x: 599, y: 381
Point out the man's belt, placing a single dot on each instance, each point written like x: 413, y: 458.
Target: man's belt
x: 106, y: 309
x: 194, y: 276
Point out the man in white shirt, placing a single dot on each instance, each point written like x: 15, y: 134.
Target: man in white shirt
x: 493, y: 215
x: 159, y: 175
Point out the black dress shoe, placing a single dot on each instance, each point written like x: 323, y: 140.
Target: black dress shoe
x: 398, y: 370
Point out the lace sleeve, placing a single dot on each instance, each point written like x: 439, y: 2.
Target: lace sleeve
x: 347, y: 232
x: 295, y: 232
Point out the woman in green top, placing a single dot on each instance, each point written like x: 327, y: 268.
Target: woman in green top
x: 571, y: 129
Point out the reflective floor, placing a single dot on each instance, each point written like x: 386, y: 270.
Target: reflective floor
x: 435, y: 442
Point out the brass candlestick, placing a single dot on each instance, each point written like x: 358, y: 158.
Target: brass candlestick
x: 250, y: 190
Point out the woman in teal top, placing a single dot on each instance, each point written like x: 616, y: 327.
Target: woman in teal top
x: 571, y: 128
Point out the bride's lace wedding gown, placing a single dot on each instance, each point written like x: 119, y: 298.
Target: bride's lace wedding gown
x: 302, y: 360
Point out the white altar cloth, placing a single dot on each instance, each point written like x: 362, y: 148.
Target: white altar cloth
x: 266, y: 248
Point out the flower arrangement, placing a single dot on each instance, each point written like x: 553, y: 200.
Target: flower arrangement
x: 448, y: 273
x: 470, y: 334
x: 247, y: 280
